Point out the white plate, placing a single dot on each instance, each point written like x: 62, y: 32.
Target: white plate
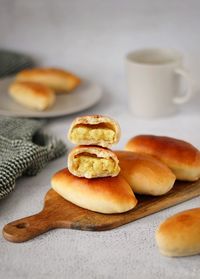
x: 85, y: 96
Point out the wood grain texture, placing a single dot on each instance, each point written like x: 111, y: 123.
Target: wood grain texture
x: 59, y: 213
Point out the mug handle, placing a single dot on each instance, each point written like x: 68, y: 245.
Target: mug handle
x: 183, y: 99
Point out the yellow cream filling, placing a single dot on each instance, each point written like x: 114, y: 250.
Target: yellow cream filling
x: 89, y: 133
x: 92, y: 166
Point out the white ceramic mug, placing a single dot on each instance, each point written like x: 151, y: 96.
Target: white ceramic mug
x: 153, y: 77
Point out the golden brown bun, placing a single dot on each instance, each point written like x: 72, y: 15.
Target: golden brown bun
x: 92, y: 162
x: 57, y: 79
x: 94, y: 130
x: 32, y: 95
x: 179, y: 235
x: 104, y: 195
x: 181, y: 157
x: 145, y: 174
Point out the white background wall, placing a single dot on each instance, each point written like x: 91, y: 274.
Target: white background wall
x: 91, y: 37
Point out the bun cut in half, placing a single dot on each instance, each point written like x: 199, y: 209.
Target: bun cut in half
x: 179, y: 235
x: 180, y: 156
x: 92, y: 162
x: 145, y: 174
x: 94, y: 130
x: 56, y: 79
x: 32, y: 95
x: 104, y: 195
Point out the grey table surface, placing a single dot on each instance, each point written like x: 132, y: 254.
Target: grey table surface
x: 91, y: 38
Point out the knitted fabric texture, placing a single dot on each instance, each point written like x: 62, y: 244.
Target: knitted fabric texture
x: 24, y: 150
x: 13, y: 62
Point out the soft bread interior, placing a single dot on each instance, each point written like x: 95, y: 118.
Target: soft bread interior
x: 92, y: 166
x: 97, y: 132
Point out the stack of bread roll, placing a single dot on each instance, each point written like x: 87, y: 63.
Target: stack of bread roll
x: 37, y: 88
x: 91, y: 163
x: 92, y: 158
x: 92, y: 179
x: 105, y: 181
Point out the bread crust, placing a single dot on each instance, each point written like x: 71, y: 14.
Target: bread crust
x: 92, y: 150
x: 179, y: 235
x: 95, y: 120
x: 145, y: 174
x: 57, y: 79
x: 105, y: 195
x: 180, y: 156
x: 32, y: 95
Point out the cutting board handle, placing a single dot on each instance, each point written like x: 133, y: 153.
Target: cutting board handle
x: 27, y: 228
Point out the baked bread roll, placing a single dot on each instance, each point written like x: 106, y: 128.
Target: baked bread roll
x: 104, y: 195
x: 94, y: 130
x: 145, y: 174
x: 179, y: 235
x: 32, y: 95
x: 180, y: 156
x: 92, y: 162
x: 57, y: 79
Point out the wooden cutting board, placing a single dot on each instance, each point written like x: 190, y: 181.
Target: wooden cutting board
x: 59, y: 213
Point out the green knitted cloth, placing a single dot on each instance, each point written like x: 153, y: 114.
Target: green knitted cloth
x: 24, y: 150
x: 12, y: 62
